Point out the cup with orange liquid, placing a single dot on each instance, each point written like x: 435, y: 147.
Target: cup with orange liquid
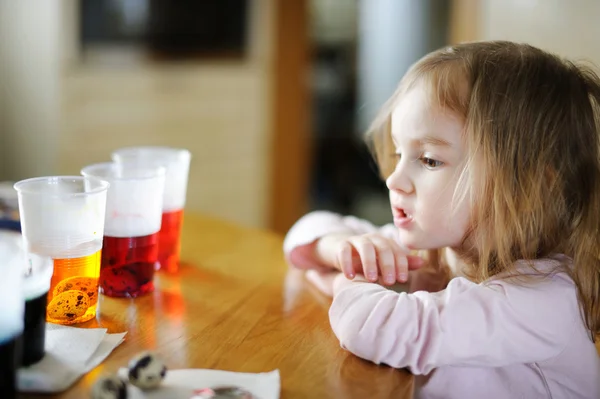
x: 133, y: 220
x: 62, y: 224
x: 177, y: 164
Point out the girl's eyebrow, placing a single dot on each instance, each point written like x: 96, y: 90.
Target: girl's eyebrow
x: 431, y: 140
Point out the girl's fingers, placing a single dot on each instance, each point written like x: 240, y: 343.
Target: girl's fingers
x: 401, y: 263
x: 368, y: 257
x: 344, y: 258
x: 414, y: 262
x: 386, y: 259
x: 374, y: 256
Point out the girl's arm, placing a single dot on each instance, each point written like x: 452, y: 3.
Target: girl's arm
x: 300, y: 248
x: 300, y: 241
x: 467, y: 324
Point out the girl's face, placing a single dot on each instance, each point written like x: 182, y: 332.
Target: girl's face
x: 430, y: 156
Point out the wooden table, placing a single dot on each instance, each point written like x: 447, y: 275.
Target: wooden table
x: 235, y: 305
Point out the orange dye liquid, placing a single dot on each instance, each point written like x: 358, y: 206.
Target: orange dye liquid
x: 73, y: 294
x: 169, y: 241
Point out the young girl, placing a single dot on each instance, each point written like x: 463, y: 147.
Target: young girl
x: 491, y: 154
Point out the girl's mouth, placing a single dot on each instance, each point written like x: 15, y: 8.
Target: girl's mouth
x: 402, y: 218
x: 404, y: 214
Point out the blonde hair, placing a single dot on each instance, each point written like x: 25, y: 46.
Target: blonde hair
x: 532, y: 124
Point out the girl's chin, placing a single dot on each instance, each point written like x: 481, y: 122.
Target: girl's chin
x: 412, y: 243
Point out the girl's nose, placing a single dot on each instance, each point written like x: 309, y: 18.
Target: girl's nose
x: 399, y: 180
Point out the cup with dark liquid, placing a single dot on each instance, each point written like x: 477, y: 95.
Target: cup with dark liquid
x: 62, y: 223
x: 11, y: 312
x: 177, y: 164
x: 131, y: 227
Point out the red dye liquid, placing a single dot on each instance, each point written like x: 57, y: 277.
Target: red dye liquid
x: 170, y: 241
x: 127, y: 265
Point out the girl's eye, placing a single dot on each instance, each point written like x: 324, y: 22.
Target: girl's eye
x: 430, y: 163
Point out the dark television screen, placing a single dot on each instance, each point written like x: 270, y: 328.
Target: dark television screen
x: 168, y: 28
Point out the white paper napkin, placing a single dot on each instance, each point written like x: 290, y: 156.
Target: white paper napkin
x: 70, y: 353
x: 180, y: 384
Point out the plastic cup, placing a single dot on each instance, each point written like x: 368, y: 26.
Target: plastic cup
x: 12, y: 306
x: 62, y: 222
x: 133, y: 220
x: 177, y: 164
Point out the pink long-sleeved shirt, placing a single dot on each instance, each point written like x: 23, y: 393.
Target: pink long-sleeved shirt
x: 498, y: 339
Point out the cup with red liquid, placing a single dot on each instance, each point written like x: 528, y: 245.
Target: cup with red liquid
x: 177, y: 164
x: 131, y: 226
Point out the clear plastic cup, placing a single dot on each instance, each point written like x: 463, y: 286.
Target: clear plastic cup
x: 12, y: 306
x: 177, y: 164
x: 133, y: 220
x: 62, y: 223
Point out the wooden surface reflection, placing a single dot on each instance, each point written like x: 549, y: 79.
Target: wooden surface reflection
x: 236, y: 306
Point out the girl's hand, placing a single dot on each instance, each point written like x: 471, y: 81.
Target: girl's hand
x: 323, y: 281
x: 370, y: 254
x: 329, y: 283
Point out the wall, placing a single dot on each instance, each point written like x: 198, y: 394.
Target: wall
x: 3, y: 141
x: 69, y: 113
x: 29, y: 96
x: 567, y: 28
x: 465, y: 21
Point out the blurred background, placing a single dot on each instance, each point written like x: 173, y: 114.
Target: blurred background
x: 270, y: 96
